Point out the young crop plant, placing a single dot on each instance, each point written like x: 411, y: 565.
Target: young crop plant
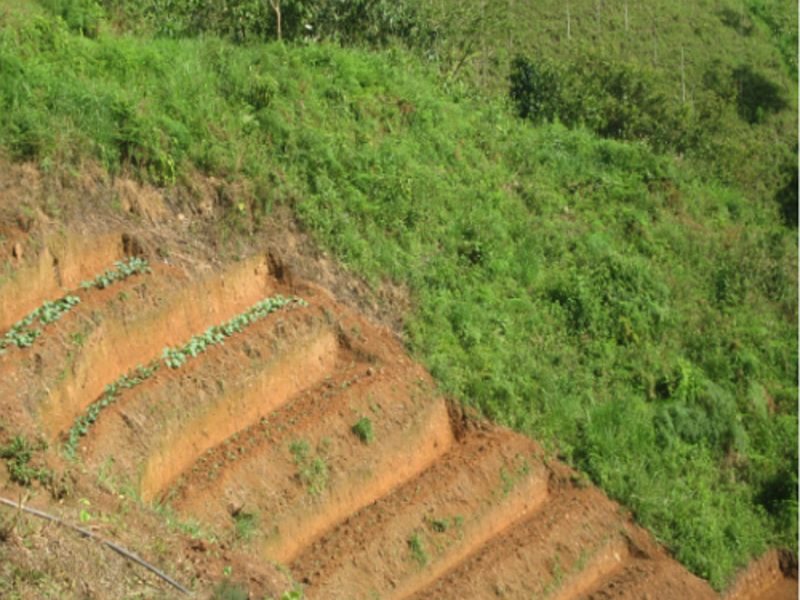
x: 133, y: 266
x: 176, y: 357
x: 417, y: 549
x: 312, y: 472
x: 23, y: 334
x: 111, y: 394
x: 315, y: 475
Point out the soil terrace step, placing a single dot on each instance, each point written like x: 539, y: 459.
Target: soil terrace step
x: 62, y: 262
x: 160, y: 427
x: 293, y: 507
x: 575, y: 540
x: 264, y: 470
x: 653, y: 580
x: 179, y: 311
x: 771, y: 577
x: 402, y: 542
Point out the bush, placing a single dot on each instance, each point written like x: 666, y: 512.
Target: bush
x: 616, y: 100
x: 363, y: 430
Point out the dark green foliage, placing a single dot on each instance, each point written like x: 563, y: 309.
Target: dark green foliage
x: 616, y: 100
x: 757, y: 96
x: 716, y: 81
x: 371, y: 22
x: 787, y: 195
x: 81, y: 16
x: 535, y: 90
x: 781, y: 19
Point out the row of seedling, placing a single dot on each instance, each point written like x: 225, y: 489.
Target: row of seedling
x: 111, y: 394
x: 23, y: 334
x: 133, y: 266
x: 173, y: 358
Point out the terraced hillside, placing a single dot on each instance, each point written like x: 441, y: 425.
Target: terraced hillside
x: 257, y: 407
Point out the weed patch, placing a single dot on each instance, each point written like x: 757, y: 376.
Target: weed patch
x: 417, y: 549
x: 173, y: 358
x: 18, y: 454
x: 363, y: 430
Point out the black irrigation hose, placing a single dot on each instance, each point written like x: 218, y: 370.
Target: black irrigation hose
x: 111, y: 545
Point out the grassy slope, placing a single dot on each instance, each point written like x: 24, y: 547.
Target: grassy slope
x: 736, y: 60
x: 607, y: 300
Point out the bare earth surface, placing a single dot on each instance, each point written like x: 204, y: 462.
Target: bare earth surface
x: 254, y: 440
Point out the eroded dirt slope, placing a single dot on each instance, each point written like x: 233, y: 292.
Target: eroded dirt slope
x: 299, y: 434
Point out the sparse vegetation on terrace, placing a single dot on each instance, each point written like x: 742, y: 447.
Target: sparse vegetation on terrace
x: 173, y: 358
x: 23, y: 335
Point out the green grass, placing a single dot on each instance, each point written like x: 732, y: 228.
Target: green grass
x: 634, y: 310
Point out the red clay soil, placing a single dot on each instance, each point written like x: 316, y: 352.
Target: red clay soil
x: 45, y: 268
x: 371, y: 379
x: 771, y: 577
x: 176, y: 314
x: 255, y: 441
x: 356, y: 474
x: 158, y: 428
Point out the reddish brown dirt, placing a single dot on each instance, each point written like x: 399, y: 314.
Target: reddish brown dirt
x: 180, y: 313
x: 253, y: 442
x: 412, y: 435
x: 573, y: 543
x: 483, y: 484
x: 236, y: 410
x: 159, y: 427
x: 771, y: 577
x: 49, y: 265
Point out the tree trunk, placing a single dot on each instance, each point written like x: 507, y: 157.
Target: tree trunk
x: 569, y: 25
x: 276, y: 6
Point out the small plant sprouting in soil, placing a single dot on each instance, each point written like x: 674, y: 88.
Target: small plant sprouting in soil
x: 246, y: 525
x: 311, y: 472
x: 439, y: 525
x: 300, y: 450
x: 230, y: 591
x: 315, y: 476
x: 417, y: 549
x: 363, y: 430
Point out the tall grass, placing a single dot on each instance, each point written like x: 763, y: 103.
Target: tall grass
x: 629, y: 309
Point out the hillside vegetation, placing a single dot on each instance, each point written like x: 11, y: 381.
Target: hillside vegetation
x: 614, y: 275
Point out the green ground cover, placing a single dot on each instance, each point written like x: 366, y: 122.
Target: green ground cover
x: 625, y: 303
